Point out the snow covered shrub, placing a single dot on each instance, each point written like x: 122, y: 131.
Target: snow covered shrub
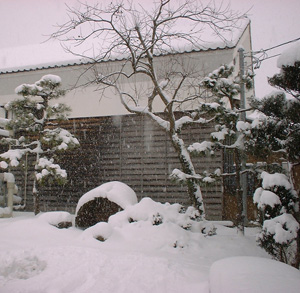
x: 208, y: 229
x: 276, y: 196
x: 159, y: 214
x: 277, y: 201
x: 157, y: 219
x: 278, y: 237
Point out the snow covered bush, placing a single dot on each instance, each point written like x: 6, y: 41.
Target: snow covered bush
x: 156, y: 214
x: 36, y: 134
x: 277, y: 201
x: 276, y: 196
x: 278, y: 237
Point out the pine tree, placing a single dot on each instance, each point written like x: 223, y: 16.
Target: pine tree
x: 36, y: 134
x: 278, y: 134
x: 230, y: 133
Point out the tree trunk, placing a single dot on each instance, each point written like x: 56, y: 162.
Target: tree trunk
x: 296, y: 264
x: 193, y: 188
x: 294, y: 173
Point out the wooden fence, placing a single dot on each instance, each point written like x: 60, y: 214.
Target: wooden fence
x: 131, y: 149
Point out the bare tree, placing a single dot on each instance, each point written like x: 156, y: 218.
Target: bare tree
x: 137, y: 37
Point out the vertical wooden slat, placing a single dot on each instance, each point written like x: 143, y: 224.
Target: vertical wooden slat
x: 134, y: 150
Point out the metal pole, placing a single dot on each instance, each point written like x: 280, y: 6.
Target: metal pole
x: 242, y: 84
x: 243, y: 118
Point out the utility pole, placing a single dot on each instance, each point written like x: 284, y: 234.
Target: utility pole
x: 243, y: 118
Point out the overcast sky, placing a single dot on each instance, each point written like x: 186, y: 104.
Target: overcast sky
x: 27, y: 22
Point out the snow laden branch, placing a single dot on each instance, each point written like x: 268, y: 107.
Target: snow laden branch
x: 36, y: 133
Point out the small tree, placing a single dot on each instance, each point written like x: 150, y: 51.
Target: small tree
x: 36, y: 134
x: 231, y: 134
x: 136, y: 35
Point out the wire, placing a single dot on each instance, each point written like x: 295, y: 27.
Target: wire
x: 264, y: 56
x: 277, y: 46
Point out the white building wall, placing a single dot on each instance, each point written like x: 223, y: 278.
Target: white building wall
x: 87, y: 101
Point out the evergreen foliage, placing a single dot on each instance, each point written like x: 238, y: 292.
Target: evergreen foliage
x: 278, y: 134
x: 288, y: 79
x: 36, y: 134
x: 280, y: 131
x: 278, y: 202
x: 230, y: 133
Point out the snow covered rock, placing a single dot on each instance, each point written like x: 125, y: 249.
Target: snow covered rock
x: 58, y: 219
x: 101, y: 231
x: 100, y: 203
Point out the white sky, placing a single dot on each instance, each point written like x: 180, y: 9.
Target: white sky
x: 28, y: 22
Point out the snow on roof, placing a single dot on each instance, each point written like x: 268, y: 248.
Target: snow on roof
x: 35, y: 56
x: 289, y: 56
x: 51, y: 54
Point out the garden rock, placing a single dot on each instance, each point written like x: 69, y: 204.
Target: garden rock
x: 58, y: 219
x: 100, y: 203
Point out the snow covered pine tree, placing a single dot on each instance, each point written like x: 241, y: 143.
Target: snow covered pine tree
x: 279, y: 133
x: 36, y: 134
x: 230, y: 134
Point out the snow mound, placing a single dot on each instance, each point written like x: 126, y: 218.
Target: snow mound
x: 156, y: 213
x: 115, y: 191
x: 21, y: 265
x: 56, y: 218
x: 101, y: 231
x: 253, y: 274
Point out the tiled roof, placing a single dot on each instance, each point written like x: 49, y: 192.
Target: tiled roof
x: 46, y: 56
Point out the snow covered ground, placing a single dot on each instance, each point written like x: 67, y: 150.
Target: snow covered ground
x: 37, y: 257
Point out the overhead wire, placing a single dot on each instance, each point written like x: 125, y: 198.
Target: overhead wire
x: 264, y: 56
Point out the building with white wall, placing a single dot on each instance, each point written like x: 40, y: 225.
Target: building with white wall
x: 88, y: 102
